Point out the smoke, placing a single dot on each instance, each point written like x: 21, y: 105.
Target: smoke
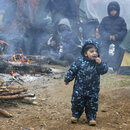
x: 23, y: 24
x: 29, y: 24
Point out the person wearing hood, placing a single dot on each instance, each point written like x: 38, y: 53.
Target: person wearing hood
x: 86, y: 71
x: 64, y: 42
x: 112, y: 30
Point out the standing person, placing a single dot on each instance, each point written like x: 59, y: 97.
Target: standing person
x: 112, y: 30
x: 86, y: 71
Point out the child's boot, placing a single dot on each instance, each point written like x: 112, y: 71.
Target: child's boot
x: 92, y: 123
x: 74, y: 119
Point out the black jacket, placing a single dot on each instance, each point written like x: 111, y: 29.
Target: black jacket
x: 113, y: 25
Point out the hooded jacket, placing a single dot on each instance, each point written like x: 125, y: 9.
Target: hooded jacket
x: 113, y: 25
x: 65, y: 38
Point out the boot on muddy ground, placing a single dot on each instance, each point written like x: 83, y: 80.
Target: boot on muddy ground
x: 92, y: 123
x: 74, y: 120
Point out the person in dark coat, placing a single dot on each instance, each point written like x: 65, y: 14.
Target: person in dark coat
x: 86, y: 71
x: 64, y: 43
x: 67, y: 8
x: 112, y: 30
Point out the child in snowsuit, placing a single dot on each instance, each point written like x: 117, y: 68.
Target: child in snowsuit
x: 86, y: 71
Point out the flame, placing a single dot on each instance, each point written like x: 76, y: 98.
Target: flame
x: 24, y: 74
x: 36, y: 73
x: 12, y: 72
x: 19, y: 57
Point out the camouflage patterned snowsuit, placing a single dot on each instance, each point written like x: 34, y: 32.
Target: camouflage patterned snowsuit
x: 86, y: 87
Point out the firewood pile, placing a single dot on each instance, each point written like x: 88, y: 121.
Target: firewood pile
x: 10, y: 93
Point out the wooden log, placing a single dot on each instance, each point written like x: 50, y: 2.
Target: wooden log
x: 3, y: 90
x: 5, y: 113
x: 29, y: 100
x: 16, y: 96
x: 10, y: 87
x: 13, y: 92
x: 22, y: 68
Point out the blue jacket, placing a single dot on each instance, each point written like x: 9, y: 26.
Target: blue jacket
x: 87, y: 76
x: 113, y: 25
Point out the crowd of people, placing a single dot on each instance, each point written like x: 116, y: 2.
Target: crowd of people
x: 55, y: 29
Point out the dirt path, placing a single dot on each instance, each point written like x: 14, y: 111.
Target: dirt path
x: 53, y: 111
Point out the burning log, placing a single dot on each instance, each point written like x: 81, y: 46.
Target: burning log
x: 18, y: 63
x: 21, y: 68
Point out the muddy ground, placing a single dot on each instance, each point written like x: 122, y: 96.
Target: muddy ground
x: 53, y: 111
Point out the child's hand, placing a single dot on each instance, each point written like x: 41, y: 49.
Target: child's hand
x: 98, y: 60
x: 66, y: 83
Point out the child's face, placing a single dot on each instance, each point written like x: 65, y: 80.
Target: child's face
x: 113, y: 12
x: 91, y: 53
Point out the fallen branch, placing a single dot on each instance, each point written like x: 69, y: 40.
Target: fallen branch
x: 17, y: 96
x: 5, y: 113
x: 11, y: 87
x: 13, y: 92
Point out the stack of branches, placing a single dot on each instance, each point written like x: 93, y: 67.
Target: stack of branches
x: 11, y: 93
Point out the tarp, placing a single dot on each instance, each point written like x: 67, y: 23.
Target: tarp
x: 126, y: 42
x: 125, y: 65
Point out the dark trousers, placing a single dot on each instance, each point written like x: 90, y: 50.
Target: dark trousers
x: 89, y: 103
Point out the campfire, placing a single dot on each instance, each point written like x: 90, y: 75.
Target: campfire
x: 18, y: 69
x: 23, y: 65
